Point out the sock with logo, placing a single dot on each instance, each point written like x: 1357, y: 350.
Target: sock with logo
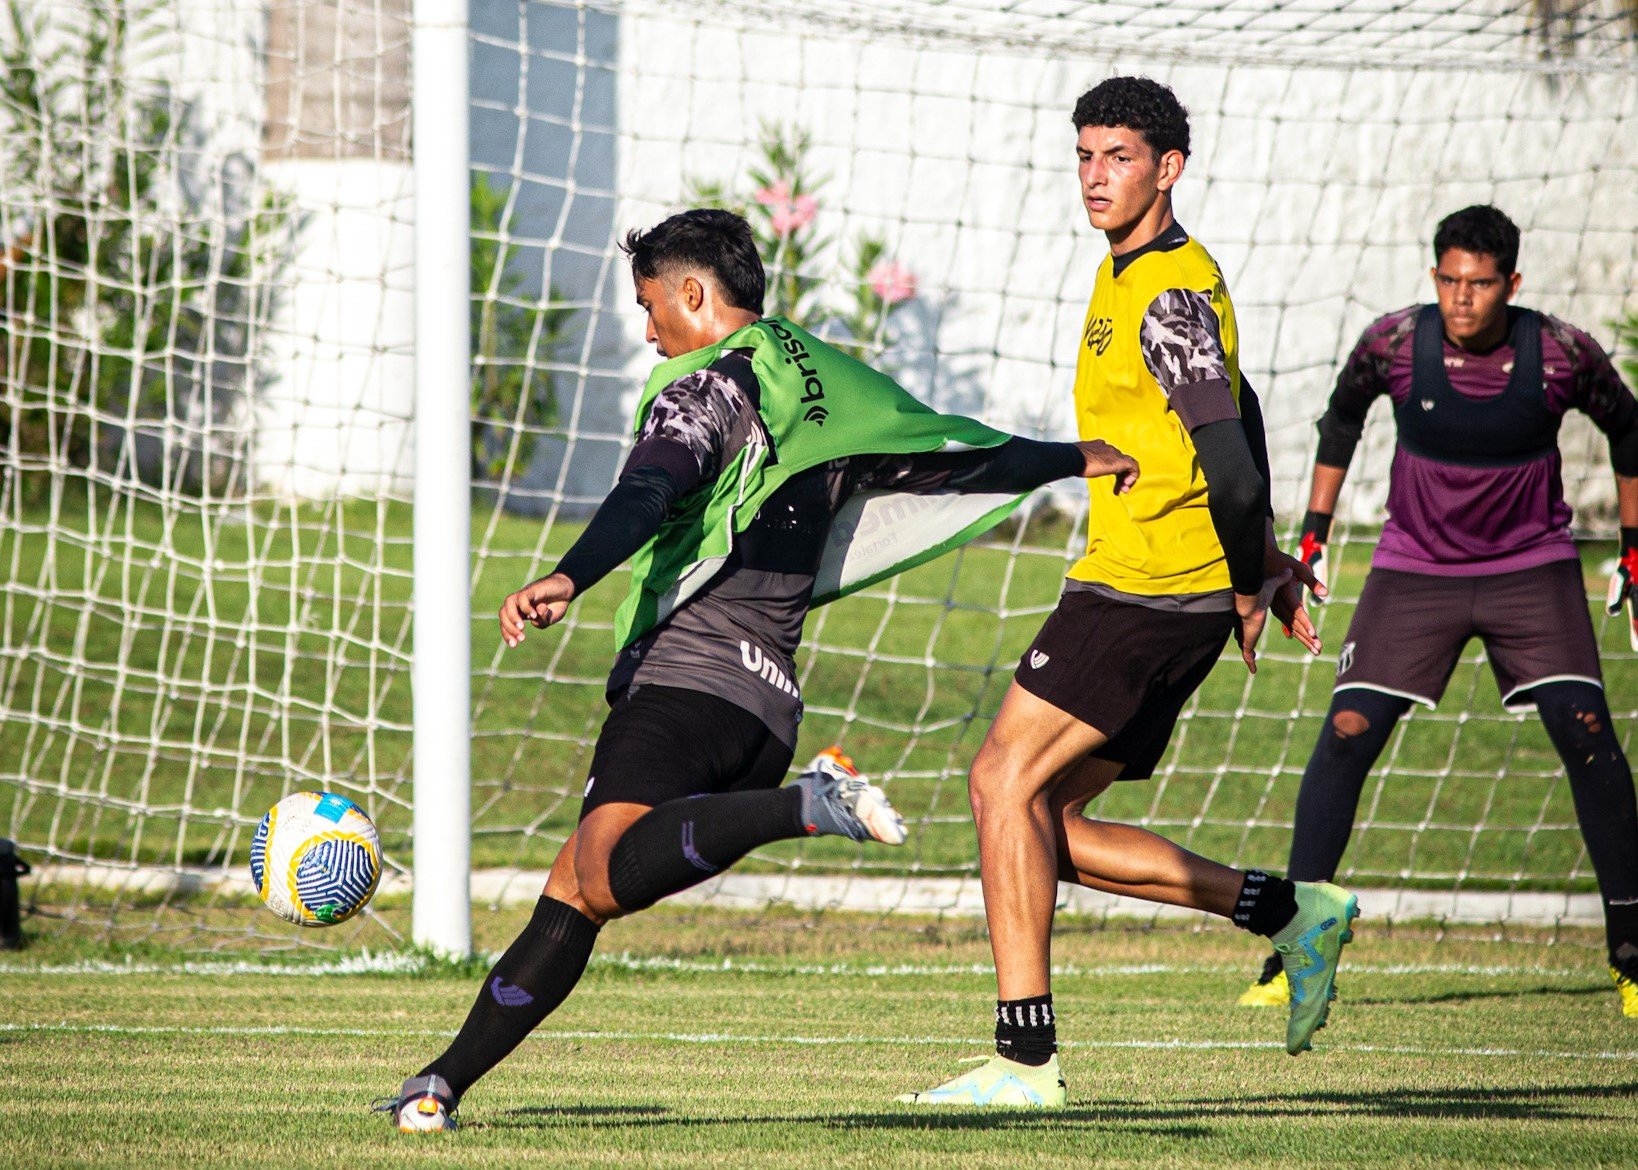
x: 680, y: 843
x: 1266, y: 905
x: 1026, y: 1030
x: 532, y: 978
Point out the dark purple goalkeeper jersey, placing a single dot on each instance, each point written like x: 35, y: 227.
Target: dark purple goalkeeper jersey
x: 1459, y: 519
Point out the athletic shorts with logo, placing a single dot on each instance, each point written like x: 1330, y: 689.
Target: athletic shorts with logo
x: 665, y: 743
x: 1123, y: 668
x: 1409, y: 630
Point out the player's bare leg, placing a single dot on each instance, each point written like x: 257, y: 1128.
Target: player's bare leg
x: 1127, y: 860
x: 584, y: 881
x: 1030, y: 747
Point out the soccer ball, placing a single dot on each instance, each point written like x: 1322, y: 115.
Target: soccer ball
x: 315, y: 859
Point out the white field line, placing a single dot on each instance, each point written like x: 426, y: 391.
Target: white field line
x: 408, y: 964
x: 726, y: 1038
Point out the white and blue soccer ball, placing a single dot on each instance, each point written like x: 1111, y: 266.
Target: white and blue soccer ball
x: 315, y: 859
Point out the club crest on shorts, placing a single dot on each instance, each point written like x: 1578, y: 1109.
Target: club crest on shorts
x: 1038, y: 660
x: 1345, y: 659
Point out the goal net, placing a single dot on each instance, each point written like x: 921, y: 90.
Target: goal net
x: 207, y: 424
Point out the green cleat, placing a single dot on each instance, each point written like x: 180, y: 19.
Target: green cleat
x: 1309, y: 947
x: 999, y: 1083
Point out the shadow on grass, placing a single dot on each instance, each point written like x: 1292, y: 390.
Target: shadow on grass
x: 1184, y: 1119
x: 1601, y: 991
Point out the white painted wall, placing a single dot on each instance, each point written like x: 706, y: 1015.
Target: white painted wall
x: 1317, y: 189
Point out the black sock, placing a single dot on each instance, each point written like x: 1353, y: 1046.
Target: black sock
x: 1577, y: 718
x: 1266, y: 905
x: 682, y: 842
x: 1026, y: 1030
x: 1356, y: 730
x: 532, y: 978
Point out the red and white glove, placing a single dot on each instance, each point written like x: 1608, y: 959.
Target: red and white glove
x: 1623, y: 583
x: 1316, y: 530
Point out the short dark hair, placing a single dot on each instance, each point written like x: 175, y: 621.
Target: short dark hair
x: 718, y: 241
x: 1137, y: 103
x: 1483, y: 230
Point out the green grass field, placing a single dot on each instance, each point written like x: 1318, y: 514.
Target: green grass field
x: 702, y: 1039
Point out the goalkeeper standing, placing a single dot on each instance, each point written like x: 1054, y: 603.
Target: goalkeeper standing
x: 1172, y: 570
x: 1477, y: 544
x: 750, y: 440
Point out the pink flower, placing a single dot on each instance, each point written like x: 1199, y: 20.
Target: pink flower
x: 892, y: 282
x: 786, y: 214
x: 779, y: 193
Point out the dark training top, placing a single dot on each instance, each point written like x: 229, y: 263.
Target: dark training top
x: 737, y: 637
x: 1477, y: 484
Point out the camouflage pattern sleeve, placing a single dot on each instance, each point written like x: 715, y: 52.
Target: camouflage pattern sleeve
x: 694, y: 427
x: 1596, y: 388
x: 1181, y: 342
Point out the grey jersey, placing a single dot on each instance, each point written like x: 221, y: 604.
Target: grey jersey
x: 737, y: 637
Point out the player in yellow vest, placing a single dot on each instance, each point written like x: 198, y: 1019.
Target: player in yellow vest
x: 1171, y: 569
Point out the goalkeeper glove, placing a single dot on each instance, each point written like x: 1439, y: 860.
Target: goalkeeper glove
x: 1316, y: 530
x: 1622, y: 583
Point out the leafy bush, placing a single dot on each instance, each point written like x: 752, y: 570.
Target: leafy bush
x: 116, y: 297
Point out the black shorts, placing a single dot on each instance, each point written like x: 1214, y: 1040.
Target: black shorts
x: 1125, y: 669
x: 665, y: 743
x: 1409, y: 630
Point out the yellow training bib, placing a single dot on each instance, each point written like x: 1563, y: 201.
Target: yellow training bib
x: 1158, y: 539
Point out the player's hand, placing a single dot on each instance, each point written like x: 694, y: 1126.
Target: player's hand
x: 1252, y: 609
x: 1286, y: 604
x: 1624, y: 582
x: 540, y: 604
x: 1102, y: 459
x: 1316, y: 530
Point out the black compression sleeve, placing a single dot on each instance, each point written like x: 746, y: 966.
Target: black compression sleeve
x: 1251, y: 417
x: 1624, y: 452
x: 1343, y: 422
x: 1018, y: 465
x: 1237, y: 496
x: 628, y: 517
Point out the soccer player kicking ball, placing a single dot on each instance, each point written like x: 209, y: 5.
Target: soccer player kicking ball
x: 750, y: 439
x: 1171, y: 570
x: 1477, y: 544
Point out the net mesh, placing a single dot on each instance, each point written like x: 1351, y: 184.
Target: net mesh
x: 206, y: 433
